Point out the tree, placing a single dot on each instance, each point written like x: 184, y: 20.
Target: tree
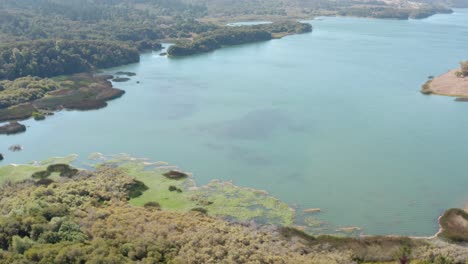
x: 403, y: 254
x: 464, y: 68
x: 20, y: 245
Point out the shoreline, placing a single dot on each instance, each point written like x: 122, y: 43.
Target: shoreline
x: 140, y: 165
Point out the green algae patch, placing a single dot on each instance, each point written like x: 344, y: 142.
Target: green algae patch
x: 15, y: 172
x: 227, y: 199
x: 218, y: 198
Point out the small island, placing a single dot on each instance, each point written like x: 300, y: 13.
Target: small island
x: 453, y: 83
x: 12, y: 128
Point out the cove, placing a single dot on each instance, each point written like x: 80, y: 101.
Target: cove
x: 332, y: 120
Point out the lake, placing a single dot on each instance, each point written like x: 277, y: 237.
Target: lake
x: 332, y: 120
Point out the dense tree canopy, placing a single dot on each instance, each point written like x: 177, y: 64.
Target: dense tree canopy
x: 123, y: 20
x: 74, y: 35
x: 237, y: 35
x: 52, y: 58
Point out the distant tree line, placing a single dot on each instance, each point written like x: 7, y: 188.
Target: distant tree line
x: 51, y: 58
x: 123, y: 20
x: 236, y: 35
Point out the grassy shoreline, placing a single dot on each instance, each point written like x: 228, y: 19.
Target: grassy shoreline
x: 124, y: 193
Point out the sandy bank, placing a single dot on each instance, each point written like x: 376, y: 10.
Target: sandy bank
x: 447, y: 84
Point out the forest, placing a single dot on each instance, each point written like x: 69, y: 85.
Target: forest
x: 52, y: 58
x: 54, y: 37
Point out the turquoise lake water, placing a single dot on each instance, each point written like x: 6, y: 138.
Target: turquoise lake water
x: 332, y: 119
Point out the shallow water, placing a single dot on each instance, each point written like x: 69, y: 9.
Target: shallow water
x: 332, y: 119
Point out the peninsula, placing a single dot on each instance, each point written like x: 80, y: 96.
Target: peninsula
x: 453, y: 83
x: 230, y: 36
x: 37, y: 97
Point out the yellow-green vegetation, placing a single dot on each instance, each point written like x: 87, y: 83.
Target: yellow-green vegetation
x: 218, y: 198
x: 20, y: 172
x: 24, y: 89
x: 86, y: 218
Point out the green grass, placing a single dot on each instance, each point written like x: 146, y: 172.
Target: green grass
x: 17, y: 173
x: 218, y: 198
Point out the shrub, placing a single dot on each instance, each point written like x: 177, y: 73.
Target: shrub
x: 70, y: 231
x: 136, y: 189
x: 41, y: 174
x: 154, y: 205
x: 64, y: 169
x: 20, y: 245
x: 38, y: 116
x: 172, y: 188
x: 200, y: 210
x: 44, y: 182
x: 175, y: 175
x: 403, y: 254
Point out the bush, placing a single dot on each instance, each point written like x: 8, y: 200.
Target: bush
x: 41, y: 174
x: 44, y: 182
x: 403, y: 254
x: 64, y: 169
x: 38, y: 116
x: 200, y: 210
x: 154, y: 205
x: 20, y: 245
x: 136, y: 189
x: 172, y: 188
x: 175, y: 175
